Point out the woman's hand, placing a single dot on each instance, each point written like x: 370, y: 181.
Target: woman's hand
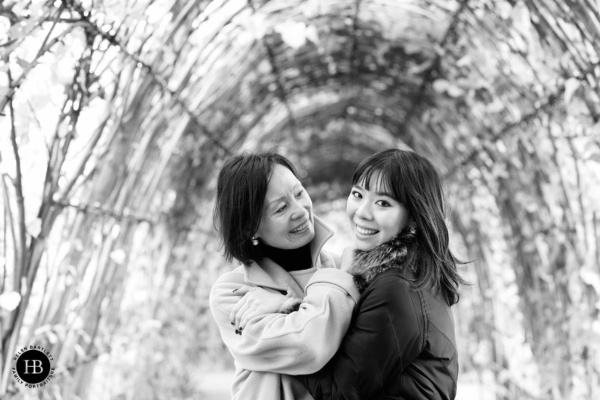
x: 256, y: 301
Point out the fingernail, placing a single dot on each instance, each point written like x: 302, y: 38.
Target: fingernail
x: 235, y: 290
x: 232, y: 323
x: 241, y: 328
x: 237, y: 332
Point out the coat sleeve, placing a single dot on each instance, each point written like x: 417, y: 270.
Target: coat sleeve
x: 301, y: 342
x: 386, y: 331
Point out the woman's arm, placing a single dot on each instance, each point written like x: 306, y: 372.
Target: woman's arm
x: 298, y: 343
x: 386, y: 334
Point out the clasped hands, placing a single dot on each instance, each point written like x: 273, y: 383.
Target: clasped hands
x: 257, y: 301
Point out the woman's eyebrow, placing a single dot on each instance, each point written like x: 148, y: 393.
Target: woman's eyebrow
x: 272, y: 202
x: 282, y: 197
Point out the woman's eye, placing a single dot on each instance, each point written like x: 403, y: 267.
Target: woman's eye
x: 300, y: 193
x: 383, y: 203
x: 356, y: 194
x: 280, y: 209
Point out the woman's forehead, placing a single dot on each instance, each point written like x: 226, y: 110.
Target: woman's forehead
x: 281, y: 182
x: 373, y: 180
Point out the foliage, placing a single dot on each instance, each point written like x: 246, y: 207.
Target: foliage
x: 116, y: 116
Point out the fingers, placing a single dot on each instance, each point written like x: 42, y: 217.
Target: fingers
x: 243, y: 290
x: 247, y: 317
x: 244, y: 309
x: 254, y: 301
x: 236, y: 308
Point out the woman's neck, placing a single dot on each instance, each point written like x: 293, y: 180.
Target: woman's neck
x: 289, y: 259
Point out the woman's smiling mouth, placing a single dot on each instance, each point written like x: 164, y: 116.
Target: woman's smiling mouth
x: 365, y: 232
x: 300, y: 228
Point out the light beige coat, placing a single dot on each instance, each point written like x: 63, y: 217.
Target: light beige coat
x: 298, y: 343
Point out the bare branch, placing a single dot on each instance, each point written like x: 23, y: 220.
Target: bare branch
x: 99, y: 210
x: 597, y: 239
x: 8, y: 214
x: 431, y: 73
x: 506, y: 129
x: 279, y: 79
x: 160, y: 81
x: 20, y: 267
x: 19, y: 81
x: 580, y: 193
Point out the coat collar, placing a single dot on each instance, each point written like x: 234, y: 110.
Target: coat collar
x: 367, y: 264
x: 267, y: 273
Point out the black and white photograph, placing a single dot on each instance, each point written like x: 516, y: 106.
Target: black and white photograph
x: 299, y: 199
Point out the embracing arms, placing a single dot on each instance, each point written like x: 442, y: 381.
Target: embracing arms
x: 298, y: 343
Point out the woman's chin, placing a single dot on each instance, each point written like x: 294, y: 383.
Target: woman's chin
x: 304, y: 238
x: 363, y: 245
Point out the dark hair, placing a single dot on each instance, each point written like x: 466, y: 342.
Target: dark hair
x: 241, y: 190
x: 415, y: 182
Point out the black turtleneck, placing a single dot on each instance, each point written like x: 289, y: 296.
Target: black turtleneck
x: 290, y: 260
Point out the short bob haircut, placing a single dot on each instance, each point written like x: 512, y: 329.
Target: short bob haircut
x: 241, y: 191
x: 413, y: 181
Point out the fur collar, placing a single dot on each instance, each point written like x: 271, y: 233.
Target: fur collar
x: 367, y: 264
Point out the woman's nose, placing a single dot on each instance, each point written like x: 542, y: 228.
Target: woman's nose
x: 364, y: 211
x: 298, y: 210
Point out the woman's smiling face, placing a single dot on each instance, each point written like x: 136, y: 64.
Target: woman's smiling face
x: 287, y: 221
x: 375, y: 216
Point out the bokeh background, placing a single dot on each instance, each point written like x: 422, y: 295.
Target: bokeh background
x: 116, y: 116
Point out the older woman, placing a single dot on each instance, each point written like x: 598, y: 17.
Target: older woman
x: 266, y: 222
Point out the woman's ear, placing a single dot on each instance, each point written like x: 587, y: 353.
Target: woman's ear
x: 411, y: 222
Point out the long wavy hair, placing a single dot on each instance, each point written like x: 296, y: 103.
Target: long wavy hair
x: 415, y: 182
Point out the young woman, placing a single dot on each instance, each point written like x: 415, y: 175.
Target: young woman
x: 266, y: 222
x: 400, y: 344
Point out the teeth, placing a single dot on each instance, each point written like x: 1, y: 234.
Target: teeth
x: 365, y: 232
x: 301, y: 227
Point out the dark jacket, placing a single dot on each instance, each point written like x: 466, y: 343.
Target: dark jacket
x: 400, y: 344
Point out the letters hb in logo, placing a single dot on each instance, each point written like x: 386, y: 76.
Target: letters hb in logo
x: 33, y: 366
x: 36, y: 366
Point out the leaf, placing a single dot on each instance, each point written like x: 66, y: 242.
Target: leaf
x: 312, y: 34
x: 596, y: 324
x: 10, y: 301
x: 504, y: 9
x: 292, y: 33
x: 311, y: 8
x: 591, y: 278
x: 440, y: 85
x: 571, y: 86
x: 118, y: 256
x: 34, y: 227
x: 454, y: 91
x: 3, y: 91
x: 522, y: 20
x: 23, y: 64
x: 495, y: 106
x: 37, y: 9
